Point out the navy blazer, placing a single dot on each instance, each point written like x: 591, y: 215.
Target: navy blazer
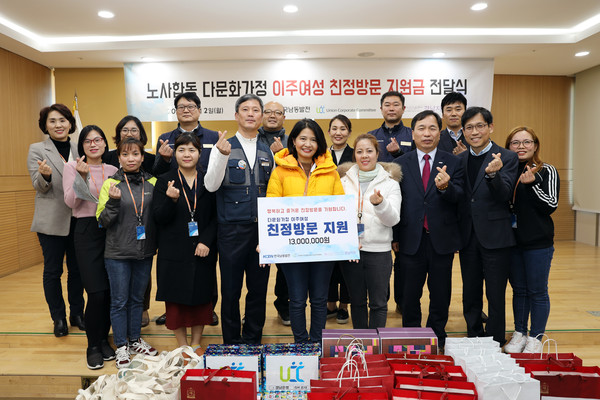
x: 441, y: 206
x: 447, y: 143
x: 485, y: 210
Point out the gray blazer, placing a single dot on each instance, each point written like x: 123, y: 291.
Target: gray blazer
x: 51, y: 216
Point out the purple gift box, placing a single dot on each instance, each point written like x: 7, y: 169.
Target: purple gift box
x: 408, y: 340
x: 336, y: 341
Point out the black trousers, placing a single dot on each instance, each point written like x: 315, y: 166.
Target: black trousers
x: 54, y: 249
x: 238, y: 256
x: 337, y: 279
x: 282, y: 296
x: 478, y: 264
x: 398, y: 282
x: 436, y: 269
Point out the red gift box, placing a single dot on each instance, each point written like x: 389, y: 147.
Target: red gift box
x: 222, y: 384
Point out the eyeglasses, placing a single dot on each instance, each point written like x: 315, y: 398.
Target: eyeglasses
x: 96, y: 141
x: 133, y: 131
x: 276, y: 112
x: 189, y: 107
x: 478, y: 127
x: 525, y: 143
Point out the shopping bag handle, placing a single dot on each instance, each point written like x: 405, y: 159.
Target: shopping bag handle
x: 340, y: 396
x: 215, y: 372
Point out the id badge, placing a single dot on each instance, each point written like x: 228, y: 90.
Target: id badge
x: 513, y: 220
x: 192, y: 228
x: 361, y: 230
x: 140, y: 232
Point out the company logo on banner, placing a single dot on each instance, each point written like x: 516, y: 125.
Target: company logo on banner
x: 306, y: 88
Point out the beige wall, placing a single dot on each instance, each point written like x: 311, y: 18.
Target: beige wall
x: 586, y: 142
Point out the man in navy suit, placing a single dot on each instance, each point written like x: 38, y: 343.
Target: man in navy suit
x: 428, y: 233
x: 452, y: 139
x: 485, y: 224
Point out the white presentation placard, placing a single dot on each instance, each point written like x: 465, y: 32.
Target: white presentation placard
x: 284, y: 373
x: 307, y: 228
x: 318, y: 89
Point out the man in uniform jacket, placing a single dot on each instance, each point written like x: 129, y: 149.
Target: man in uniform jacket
x: 239, y: 171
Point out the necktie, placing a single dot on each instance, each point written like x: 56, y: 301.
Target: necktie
x: 425, y: 177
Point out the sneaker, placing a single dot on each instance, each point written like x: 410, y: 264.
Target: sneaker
x: 108, y: 353
x: 332, y: 313
x: 284, y: 318
x: 517, y: 343
x: 342, y: 316
x: 94, y: 358
x: 534, y: 345
x: 140, y: 346
x: 122, y: 355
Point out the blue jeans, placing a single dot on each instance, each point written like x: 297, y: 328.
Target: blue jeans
x: 308, y: 279
x: 128, y: 281
x: 529, y: 279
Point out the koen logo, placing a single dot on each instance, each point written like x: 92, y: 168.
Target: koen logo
x: 291, y: 373
x: 238, y: 367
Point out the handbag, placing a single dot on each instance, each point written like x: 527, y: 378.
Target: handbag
x: 507, y: 386
x: 421, y: 359
x: 560, y: 359
x: 222, y: 384
x: 147, y: 378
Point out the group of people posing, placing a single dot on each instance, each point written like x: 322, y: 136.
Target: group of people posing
x: 423, y: 193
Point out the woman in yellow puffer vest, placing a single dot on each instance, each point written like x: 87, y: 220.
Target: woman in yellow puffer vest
x: 306, y: 168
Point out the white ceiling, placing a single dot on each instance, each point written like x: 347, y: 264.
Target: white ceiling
x: 523, y: 36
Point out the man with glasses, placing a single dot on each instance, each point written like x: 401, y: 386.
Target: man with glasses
x: 272, y: 132
x: 485, y: 224
x: 187, y: 106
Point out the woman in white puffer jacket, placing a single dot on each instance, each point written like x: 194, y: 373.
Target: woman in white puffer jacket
x: 378, y: 199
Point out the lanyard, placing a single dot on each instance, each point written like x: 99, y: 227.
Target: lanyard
x: 194, y: 188
x: 360, y: 204
x: 138, y: 215
x: 307, y: 177
x: 93, y: 180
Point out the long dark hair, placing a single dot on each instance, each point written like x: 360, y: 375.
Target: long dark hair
x: 316, y: 129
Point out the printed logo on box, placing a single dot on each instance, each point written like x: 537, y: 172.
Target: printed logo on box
x: 290, y: 372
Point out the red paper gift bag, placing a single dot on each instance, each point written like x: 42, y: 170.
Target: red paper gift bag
x: 567, y: 382
x: 341, y: 360
x: 400, y: 394
x: 421, y: 359
x: 221, y: 384
x: 349, y: 394
x: 450, y: 372
x: 560, y: 359
x: 437, y: 386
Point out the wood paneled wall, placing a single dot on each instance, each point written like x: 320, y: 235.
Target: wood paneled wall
x: 25, y: 88
x: 538, y: 101
x: 542, y: 103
